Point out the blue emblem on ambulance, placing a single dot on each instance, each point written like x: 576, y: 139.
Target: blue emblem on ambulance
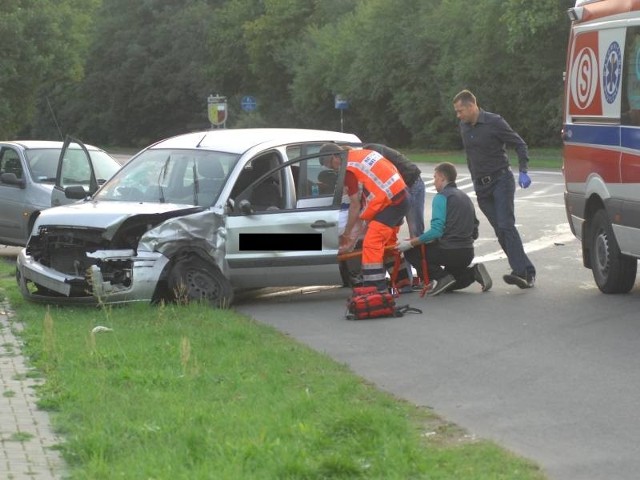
x: 611, y: 72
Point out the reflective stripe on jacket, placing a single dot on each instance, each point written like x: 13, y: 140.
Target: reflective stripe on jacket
x: 380, y: 179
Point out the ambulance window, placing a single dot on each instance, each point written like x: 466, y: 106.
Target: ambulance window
x: 631, y: 79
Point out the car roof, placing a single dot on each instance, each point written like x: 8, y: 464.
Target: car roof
x: 242, y: 139
x: 39, y: 144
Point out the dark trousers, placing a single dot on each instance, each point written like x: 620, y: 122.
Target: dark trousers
x: 496, y: 200
x: 443, y: 261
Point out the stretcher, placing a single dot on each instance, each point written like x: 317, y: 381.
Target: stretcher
x: 391, y: 249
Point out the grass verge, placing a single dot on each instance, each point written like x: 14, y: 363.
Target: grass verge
x: 538, y: 157
x: 187, y: 392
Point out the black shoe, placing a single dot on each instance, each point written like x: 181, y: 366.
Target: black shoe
x: 526, y: 281
x: 441, y: 285
x: 481, y: 276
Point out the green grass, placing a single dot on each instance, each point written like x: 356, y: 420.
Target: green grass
x: 538, y: 157
x: 187, y: 392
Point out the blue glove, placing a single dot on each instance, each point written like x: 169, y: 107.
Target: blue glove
x: 523, y: 180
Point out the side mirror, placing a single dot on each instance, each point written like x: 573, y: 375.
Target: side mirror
x: 245, y: 207
x: 11, y: 179
x: 75, y: 192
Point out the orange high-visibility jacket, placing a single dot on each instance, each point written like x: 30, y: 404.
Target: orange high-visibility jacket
x: 380, y: 178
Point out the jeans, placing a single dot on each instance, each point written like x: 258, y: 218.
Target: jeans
x: 415, y: 215
x: 443, y: 261
x: 496, y: 200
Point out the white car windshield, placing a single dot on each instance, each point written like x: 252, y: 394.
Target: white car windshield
x: 191, y: 177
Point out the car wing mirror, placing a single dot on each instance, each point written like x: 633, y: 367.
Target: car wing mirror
x: 75, y: 192
x: 245, y: 207
x: 11, y: 179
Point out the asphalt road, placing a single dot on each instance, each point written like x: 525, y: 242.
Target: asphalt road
x: 550, y: 373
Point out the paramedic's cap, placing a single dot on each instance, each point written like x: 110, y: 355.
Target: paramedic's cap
x: 326, y: 149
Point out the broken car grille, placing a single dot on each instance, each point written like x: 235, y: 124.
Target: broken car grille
x: 65, y: 249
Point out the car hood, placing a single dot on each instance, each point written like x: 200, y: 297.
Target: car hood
x: 39, y: 195
x: 106, y: 215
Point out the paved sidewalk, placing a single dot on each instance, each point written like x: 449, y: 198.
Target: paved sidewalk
x: 26, y: 436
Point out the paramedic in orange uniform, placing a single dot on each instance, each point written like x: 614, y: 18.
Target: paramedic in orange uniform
x: 386, y: 201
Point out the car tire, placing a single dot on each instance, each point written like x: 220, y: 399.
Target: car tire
x: 612, y: 271
x: 193, y: 279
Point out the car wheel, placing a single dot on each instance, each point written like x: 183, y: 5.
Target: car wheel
x: 193, y: 279
x: 612, y: 271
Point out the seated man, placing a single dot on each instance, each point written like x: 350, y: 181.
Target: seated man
x: 266, y: 194
x: 327, y: 181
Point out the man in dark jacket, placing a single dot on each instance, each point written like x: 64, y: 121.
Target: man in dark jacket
x: 485, y: 136
x: 411, y: 175
x: 454, y: 227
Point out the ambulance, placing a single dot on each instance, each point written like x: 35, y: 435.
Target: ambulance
x: 601, y: 138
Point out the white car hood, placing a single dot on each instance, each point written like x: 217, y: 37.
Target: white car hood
x: 106, y: 214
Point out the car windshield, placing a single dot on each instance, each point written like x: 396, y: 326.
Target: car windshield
x: 103, y: 165
x: 43, y: 163
x: 192, y: 177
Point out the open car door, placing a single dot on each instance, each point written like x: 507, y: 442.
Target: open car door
x: 75, y: 176
x: 289, y: 236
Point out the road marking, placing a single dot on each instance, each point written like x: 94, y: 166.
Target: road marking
x: 560, y: 236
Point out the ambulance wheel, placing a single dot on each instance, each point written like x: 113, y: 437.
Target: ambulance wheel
x: 612, y: 271
x: 193, y: 279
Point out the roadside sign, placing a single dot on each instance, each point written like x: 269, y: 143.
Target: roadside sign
x: 341, y: 103
x: 249, y: 103
x: 217, y: 110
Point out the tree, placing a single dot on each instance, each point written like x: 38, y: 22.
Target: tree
x: 538, y: 35
x: 145, y: 72
x: 374, y: 56
x: 271, y: 38
x: 514, y: 66
x: 44, y: 43
x: 151, y: 64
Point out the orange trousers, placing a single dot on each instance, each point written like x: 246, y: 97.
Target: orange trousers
x: 374, y: 267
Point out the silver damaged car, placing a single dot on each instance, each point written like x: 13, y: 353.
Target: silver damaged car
x: 195, y: 218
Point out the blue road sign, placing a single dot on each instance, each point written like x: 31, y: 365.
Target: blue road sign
x: 249, y: 103
x: 341, y: 103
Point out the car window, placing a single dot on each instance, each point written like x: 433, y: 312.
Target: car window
x: 192, y: 177
x: 103, y: 165
x: 316, y: 185
x: 75, y: 169
x: 43, y: 163
x: 631, y: 79
x: 298, y: 184
x: 265, y: 194
x: 10, y: 162
x: 313, y: 180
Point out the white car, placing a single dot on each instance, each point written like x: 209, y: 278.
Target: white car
x: 31, y: 180
x: 195, y: 217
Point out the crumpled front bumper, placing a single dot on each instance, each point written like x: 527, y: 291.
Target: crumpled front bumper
x: 145, y: 271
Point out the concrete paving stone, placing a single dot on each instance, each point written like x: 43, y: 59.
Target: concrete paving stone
x: 26, y: 436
